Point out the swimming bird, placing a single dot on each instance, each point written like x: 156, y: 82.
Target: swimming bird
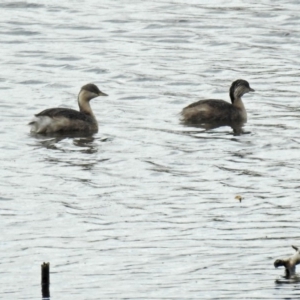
x: 69, y: 120
x: 215, y: 113
x: 289, y: 263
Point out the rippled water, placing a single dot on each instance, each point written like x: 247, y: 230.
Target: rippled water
x: 146, y: 208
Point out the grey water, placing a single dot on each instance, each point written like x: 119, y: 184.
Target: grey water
x: 146, y: 208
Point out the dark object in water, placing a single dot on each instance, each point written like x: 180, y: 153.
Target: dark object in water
x: 45, y: 282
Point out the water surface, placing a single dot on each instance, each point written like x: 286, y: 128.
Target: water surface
x: 146, y: 208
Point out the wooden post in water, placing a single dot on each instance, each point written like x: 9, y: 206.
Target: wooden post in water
x: 45, y: 280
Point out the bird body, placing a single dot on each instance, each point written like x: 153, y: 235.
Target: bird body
x: 213, y: 113
x: 289, y: 263
x: 64, y: 119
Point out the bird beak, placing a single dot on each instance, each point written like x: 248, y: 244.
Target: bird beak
x: 102, y: 94
x: 251, y: 90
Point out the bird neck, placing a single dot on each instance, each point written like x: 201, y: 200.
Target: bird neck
x: 84, y: 103
x: 238, y: 103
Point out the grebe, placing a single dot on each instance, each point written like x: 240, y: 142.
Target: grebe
x: 65, y: 119
x: 214, y: 113
x: 289, y: 263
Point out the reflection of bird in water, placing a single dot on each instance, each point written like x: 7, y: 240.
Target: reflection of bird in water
x: 69, y: 120
x: 215, y: 113
x: 289, y: 263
